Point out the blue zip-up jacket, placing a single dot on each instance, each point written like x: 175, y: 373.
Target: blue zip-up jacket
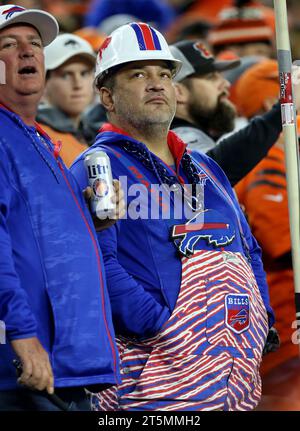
x: 142, y: 263
x: 52, y: 283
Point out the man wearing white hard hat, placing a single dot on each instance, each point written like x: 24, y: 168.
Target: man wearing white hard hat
x: 188, y: 292
x: 53, y: 299
x: 70, y: 64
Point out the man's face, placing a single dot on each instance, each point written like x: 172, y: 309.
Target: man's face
x: 209, y: 106
x: 256, y: 48
x: 70, y: 86
x: 144, y: 94
x: 21, y: 51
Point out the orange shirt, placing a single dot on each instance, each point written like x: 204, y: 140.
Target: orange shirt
x: 71, y: 147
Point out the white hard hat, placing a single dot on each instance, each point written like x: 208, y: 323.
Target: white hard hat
x: 133, y: 42
x: 66, y: 46
x: 44, y: 22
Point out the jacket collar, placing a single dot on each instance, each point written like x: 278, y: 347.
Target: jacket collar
x: 176, y: 145
x: 36, y: 125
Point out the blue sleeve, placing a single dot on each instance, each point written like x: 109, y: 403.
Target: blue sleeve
x: 254, y: 248
x: 135, y: 311
x: 79, y: 173
x: 15, y: 311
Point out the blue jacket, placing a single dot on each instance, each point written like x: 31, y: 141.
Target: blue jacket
x: 142, y: 264
x: 155, y: 11
x: 52, y: 282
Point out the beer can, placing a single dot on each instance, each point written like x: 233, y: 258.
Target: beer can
x: 99, y: 174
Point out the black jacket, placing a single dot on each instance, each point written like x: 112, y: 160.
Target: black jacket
x: 238, y: 153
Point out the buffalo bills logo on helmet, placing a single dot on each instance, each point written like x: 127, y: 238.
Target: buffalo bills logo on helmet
x: 208, y: 225
x: 146, y: 37
x: 9, y: 12
x: 205, y: 53
x: 237, y: 308
x: 104, y: 45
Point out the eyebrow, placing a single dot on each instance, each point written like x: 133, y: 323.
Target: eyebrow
x: 16, y: 36
x: 137, y: 67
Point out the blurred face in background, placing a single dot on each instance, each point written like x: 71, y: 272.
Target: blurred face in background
x: 70, y: 86
x: 208, y: 105
x: 256, y: 48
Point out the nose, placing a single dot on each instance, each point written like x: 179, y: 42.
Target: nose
x: 225, y: 84
x: 155, y: 83
x: 26, y: 49
x: 77, y: 81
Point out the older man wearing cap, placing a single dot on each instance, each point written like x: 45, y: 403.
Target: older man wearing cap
x: 204, y: 113
x: 53, y: 298
x: 70, y: 63
x: 190, y: 305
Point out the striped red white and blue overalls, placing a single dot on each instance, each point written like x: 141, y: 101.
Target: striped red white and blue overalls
x: 200, y: 360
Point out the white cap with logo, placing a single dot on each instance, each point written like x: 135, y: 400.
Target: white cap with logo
x: 44, y: 22
x: 66, y: 46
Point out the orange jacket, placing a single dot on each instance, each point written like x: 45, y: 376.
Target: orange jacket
x: 263, y: 194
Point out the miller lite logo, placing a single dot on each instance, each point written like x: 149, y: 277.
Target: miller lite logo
x: 9, y: 12
x: 103, y: 47
x: 208, y: 225
x: 95, y: 170
x: 237, y: 308
x: 204, y: 52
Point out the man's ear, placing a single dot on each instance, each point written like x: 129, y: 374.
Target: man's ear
x: 182, y: 93
x: 106, y: 99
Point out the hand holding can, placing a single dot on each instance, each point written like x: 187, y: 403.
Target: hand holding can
x: 100, y: 179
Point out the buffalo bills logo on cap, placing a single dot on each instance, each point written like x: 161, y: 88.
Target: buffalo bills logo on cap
x: 104, y: 45
x: 9, y: 12
x: 237, y: 308
x: 146, y: 37
x: 205, y: 53
x: 72, y: 43
x: 207, y: 225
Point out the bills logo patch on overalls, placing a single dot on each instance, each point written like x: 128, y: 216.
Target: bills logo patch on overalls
x: 237, y: 312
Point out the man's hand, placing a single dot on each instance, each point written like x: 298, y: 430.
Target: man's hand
x: 272, y: 342
x: 37, y: 371
x: 118, y: 198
